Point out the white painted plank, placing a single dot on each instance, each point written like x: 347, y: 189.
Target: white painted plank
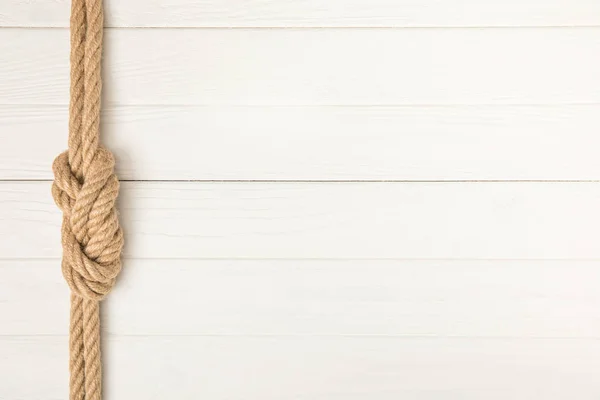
x: 324, y: 220
x: 319, y: 143
x: 313, y: 66
x: 319, y: 368
x: 495, y: 299
x: 312, y: 13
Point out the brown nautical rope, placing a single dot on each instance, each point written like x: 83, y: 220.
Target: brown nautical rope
x: 85, y: 188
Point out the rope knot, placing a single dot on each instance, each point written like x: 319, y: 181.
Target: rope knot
x: 91, y: 237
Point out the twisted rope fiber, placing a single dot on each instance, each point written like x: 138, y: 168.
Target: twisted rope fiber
x: 85, y: 188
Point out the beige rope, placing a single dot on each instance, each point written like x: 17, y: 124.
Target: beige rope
x: 85, y: 188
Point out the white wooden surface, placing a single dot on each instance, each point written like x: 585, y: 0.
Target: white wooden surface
x: 314, y: 367
x: 472, y: 142
x: 311, y: 13
x: 365, y: 220
x: 413, y: 298
x: 368, y: 200
x: 313, y: 66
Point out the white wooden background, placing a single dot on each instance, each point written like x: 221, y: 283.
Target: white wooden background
x: 342, y: 199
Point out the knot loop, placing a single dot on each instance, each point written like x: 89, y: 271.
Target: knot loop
x: 91, y: 237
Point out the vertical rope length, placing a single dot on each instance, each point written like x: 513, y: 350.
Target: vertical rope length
x: 85, y: 188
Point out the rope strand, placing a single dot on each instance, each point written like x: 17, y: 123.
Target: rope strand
x: 85, y: 188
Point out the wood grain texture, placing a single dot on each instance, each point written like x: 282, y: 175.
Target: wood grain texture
x: 319, y: 143
x: 313, y: 67
x: 267, y: 288
x: 312, y: 13
x: 320, y: 368
x: 325, y: 220
x: 380, y: 298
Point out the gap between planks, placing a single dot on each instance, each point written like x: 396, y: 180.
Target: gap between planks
x: 383, y: 27
x: 318, y: 335
x: 327, y: 181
